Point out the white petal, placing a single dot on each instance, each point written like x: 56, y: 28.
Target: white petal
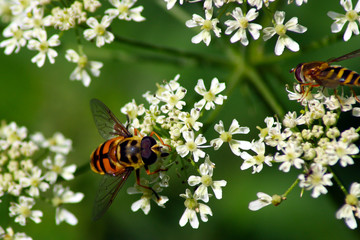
x: 194, y: 180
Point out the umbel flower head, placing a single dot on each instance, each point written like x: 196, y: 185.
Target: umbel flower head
x: 183, y: 130
x: 313, y: 144
x: 30, y: 166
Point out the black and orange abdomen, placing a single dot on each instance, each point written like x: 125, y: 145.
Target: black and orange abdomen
x: 104, y: 159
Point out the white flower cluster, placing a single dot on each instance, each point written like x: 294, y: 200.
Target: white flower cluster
x: 30, y: 166
x: 311, y: 143
x: 182, y: 130
x: 242, y: 22
x: 29, y: 23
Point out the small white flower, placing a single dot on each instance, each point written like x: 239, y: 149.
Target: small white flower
x: 17, y: 38
x: 98, y: 31
x: 43, y: 45
x: 192, y: 145
x: 274, y: 137
x: 281, y: 29
x: 34, y: 180
x: 172, y: 99
x: 206, y: 24
x: 170, y: 3
x: 333, y: 133
x: 349, y: 135
x: 10, y: 234
x: 351, y: 16
x: 264, y: 200
x: 124, y: 10
x: 190, y: 120
x: 22, y: 211
x: 259, y: 3
x: 132, y: 110
x: 241, y: 23
x: 316, y: 179
x: 290, y: 120
x: 329, y: 118
x: 91, y: 5
x: 291, y: 157
x: 356, y: 112
x: 235, y: 145
x: 57, y: 168
x: 193, y: 207
x: 63, y: 196
x: 35, y: 20
x: 212, y: 96
x: 258, y: 160
x: 340, y: 151
x: 298, y: 2
x: 83, y: 64
x: 206, y: 172
x: 144, y: 202
x: 59, y: 144
x: 351, y: 206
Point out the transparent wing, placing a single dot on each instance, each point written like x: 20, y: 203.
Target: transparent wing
x: 353, y: 54
x: 106, y: 122
x: 108, y: 189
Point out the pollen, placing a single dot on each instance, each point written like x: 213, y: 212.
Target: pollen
x: 225, y: 137
x: 25, y: 211
x: 190, y: 203
x: 100, y: 30
x: 44, y: 46
x: 280, y: 29
x: 206, y: 180
x: 352, y: 16
x: 18, y: 34
x: 191, y: 146
x: 243, y: 22
x: 209, y: 96
x: 207, y: 25
x: 123, y: 8
x: 82, y: 61
x: 56, y: 201
x: 352, y: 200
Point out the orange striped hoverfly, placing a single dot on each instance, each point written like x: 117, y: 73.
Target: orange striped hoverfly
x: 119, y: 155
x: 317, y: 73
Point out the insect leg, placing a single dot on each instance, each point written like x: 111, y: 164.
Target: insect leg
x: 137, y: 171
x: 338, y: 98
x: 357, y: 99
x: 160, y: 139
x: 137, y: 132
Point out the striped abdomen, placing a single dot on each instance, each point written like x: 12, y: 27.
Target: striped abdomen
x: 343, y: 75
x: 115, y: 155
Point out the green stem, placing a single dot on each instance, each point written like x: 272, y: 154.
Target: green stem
x: 291, y: 188
x: 264, y: 91
x: 337, y: 180
x: 174, y: 52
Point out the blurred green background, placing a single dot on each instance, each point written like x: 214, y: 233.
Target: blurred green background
x: 46, y: 100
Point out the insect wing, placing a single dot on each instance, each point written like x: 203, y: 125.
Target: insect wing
x: 106, y: 122
x: 108, y: 189
x: 353, y: 54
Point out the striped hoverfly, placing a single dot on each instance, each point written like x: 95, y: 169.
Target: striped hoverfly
x: 119, y: 156
x: 319, y: 73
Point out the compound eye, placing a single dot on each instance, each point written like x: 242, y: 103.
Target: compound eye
x: 298, y: 73
x: 148, y: 156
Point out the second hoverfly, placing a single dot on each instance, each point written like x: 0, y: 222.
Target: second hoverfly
x: 119, y: 155
x: 318, y: 73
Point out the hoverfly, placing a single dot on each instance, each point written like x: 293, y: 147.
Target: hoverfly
x: 318, y: 73
x: 119, y: 155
